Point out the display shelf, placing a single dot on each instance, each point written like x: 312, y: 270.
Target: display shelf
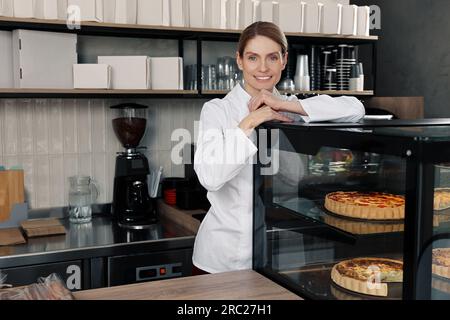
x: 354, y: 228
x: 199, y: 35
x: 94, y: 93
x: 134, y: 30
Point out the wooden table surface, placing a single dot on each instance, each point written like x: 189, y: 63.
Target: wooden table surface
x: 240, y: 285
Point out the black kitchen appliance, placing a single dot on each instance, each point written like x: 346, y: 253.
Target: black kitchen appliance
x: 132, y: 206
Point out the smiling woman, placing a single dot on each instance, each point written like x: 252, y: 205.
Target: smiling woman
x: 227, y: 140
x: 262, y: 56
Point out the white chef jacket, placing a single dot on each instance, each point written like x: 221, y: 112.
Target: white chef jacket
x: 224, y: 239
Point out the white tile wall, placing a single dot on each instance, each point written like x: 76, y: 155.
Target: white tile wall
x: 53, y: 139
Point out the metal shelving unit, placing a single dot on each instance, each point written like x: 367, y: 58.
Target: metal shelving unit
x: 199, y: 35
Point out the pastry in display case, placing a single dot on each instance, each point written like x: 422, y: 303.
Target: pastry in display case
x: 441, y: 262
x: 356, y: 274
x: 359, y: 211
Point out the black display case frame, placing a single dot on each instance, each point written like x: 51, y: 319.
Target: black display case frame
x: 421, y: 150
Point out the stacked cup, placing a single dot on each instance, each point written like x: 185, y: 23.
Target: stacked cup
x: 302, y: 79
x: 315, y: 68
x: 356, y: 82
x: 346, y: 59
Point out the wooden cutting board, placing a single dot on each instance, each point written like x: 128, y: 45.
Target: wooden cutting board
x: 42, y: 227
x: 4, y: 198
x: 12, y: 191
x: 11, y: 236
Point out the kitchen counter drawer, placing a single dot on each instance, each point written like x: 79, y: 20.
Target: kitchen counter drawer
x: 149, y: 267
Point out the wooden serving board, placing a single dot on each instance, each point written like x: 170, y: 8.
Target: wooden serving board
x: 42, y: 227
x: 11, y: 236
x: 4, y: 198
x: 11, y: 192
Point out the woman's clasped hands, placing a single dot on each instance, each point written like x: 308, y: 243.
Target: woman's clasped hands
x: 266, y: 107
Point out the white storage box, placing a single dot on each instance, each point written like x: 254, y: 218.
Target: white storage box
x: 276, y: 13
x: 179, y: 13
x: 62, y: 9
x: 215, y: 14
x: 223, y: 14
x: 126, y: 11
x: 128, y: 72
x: 90, y: 10
x: 167, y: 73
x: 6, y: 60
x: 7, y: 8
x: 46, y: 9
x: 232, y: 14
x: 91, y: 76
x: 256, y: 11
x: 23, y: 9
x: 196, y: 13
x: 290, y: 14
x: 109, y: 11
x: 349, y: 20
x: 311, y: 17
x: 43, y: 59
x: 245, y: 13
x: 363, y: 21
x: 150, y: 12
x: 266, y: 10
x: 166, y: 13
x: 331, y: 19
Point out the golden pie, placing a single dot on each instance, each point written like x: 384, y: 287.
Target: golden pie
x: 439, y: 219
x: 441, y: 199
x: 366, y: 205
x: 363, y: 227
x: 441, y: 262
x: 367, y: 275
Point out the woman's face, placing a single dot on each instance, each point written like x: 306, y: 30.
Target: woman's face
x: 262, y: 64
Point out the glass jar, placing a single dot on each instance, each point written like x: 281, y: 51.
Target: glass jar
x: 82, y: 194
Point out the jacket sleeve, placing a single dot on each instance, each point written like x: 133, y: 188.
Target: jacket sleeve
x: 222, y: 152
x: 325, y: 108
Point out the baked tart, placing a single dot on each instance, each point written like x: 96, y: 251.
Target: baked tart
x: 363, y: 227
x: 366, y: 205
x: 441, y: 262
x: 368, y: 276
x: 441, y: 199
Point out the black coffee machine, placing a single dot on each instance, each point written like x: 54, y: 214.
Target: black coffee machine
x: 132, y: 206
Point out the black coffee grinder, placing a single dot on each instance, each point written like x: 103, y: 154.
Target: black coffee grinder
x: 132, y: 206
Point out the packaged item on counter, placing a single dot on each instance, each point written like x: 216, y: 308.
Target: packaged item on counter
x: 50, y: 288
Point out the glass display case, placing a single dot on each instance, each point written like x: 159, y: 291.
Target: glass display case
x: 354, y: 212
